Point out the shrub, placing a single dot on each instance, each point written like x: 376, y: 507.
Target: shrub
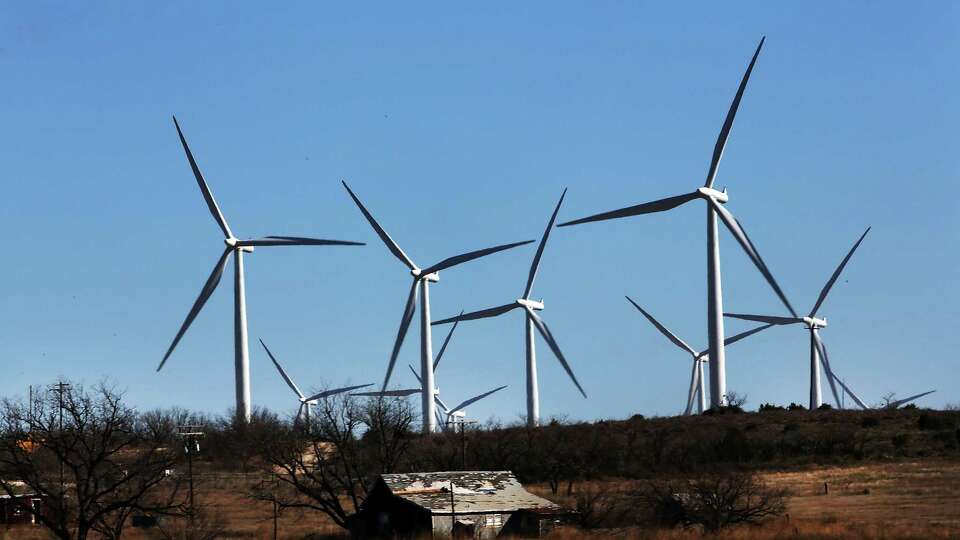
x: 900, y: 440
x: 796, y: 407
x: 716, y: 501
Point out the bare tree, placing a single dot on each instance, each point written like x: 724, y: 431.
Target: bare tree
x: 329, y: 466
x: 715, y: 501
x: 736, y: 399
x: 88, y: 458
x: 886, y: 400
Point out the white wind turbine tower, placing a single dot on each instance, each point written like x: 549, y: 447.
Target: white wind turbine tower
x: 237, y: 248
x: 455, y: 412
x: 303, y: 412
x: 696, y: 391
x: 715, y: 200
x: 531, y: 321
x: 813, y: 323
x: 421, y: 280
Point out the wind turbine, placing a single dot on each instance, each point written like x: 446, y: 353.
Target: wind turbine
x: 714, y: 199
x: 813, y: 323
x: 531, y: 321
x: 237, y: 248
x: 303, y: 412
x: 455, y: 412
x: 696, y: 391
x: 892, y: 405
x: 421, y: 282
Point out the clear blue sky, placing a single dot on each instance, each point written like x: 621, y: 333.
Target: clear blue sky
x: 459, y: 125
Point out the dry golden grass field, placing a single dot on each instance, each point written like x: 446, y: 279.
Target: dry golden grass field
x: 915, y: 500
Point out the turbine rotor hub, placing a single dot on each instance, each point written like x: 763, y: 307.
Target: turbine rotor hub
x: 232, y: 242
x: 417, y: 274
x: 532, y: 304
x: 815, y: 322
x: 719, y: 196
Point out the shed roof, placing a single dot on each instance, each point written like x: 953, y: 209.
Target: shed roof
x: 19, y: 489
x: 473, y: 492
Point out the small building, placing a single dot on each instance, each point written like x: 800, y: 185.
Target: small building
x: 462, y: 504
x: 20, y: 506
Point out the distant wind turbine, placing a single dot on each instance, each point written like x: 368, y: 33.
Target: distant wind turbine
x: 818, y: 354
x: 892, y: 405
x: 715, y: 199
x: 421, y: 281
x: 443, y: 408
x: 531, y: 321
x: 696, y: 391
x: 303, y: 412
x: 235, y: 247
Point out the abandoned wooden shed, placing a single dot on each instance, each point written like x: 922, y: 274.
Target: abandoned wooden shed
x: 464, y: 504
x: 19, y: 504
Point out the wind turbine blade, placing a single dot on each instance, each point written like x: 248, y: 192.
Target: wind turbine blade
x: 850, y: 393
x: 728, y: 122
x: 335, y: 391
x: 391, y: 245
x: 737, y: 230
x: 552, y: 343
x: 836, y: 274
x: 207, y: 195
x: 663, y: 330
x: 543, y: 242
x: 208, y: 288
x: 459, y: 259
x: 390, y: 393
x: 415, y: 374
x: 901, y: 402
x: 481, y: 314
x: 408, y: 311
x: 472, y: 400
x: 440, y: 420
x: 659, y: 205
x: 283, y: 373
x: 733, y: 339
x: 825, y: 361
x: 440, y: 402
x: 692, y: 393
x: 769, y: 319
x: 446, y: 341
x: 295, y: 241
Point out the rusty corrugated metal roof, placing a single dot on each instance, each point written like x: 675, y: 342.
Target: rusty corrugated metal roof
x: 473, y: 492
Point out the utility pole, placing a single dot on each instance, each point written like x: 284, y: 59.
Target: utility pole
x: 60, y: 387
x: 273, y: 500
x: 191, y: 445
x: 462, y: 422
x: 453, y: 513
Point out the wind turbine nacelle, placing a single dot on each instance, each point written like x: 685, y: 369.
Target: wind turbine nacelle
x: 532, y: 304
x: 814, y: 322
x: 247, y: 249
x: 719, y: 196
x: 434, y: 277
